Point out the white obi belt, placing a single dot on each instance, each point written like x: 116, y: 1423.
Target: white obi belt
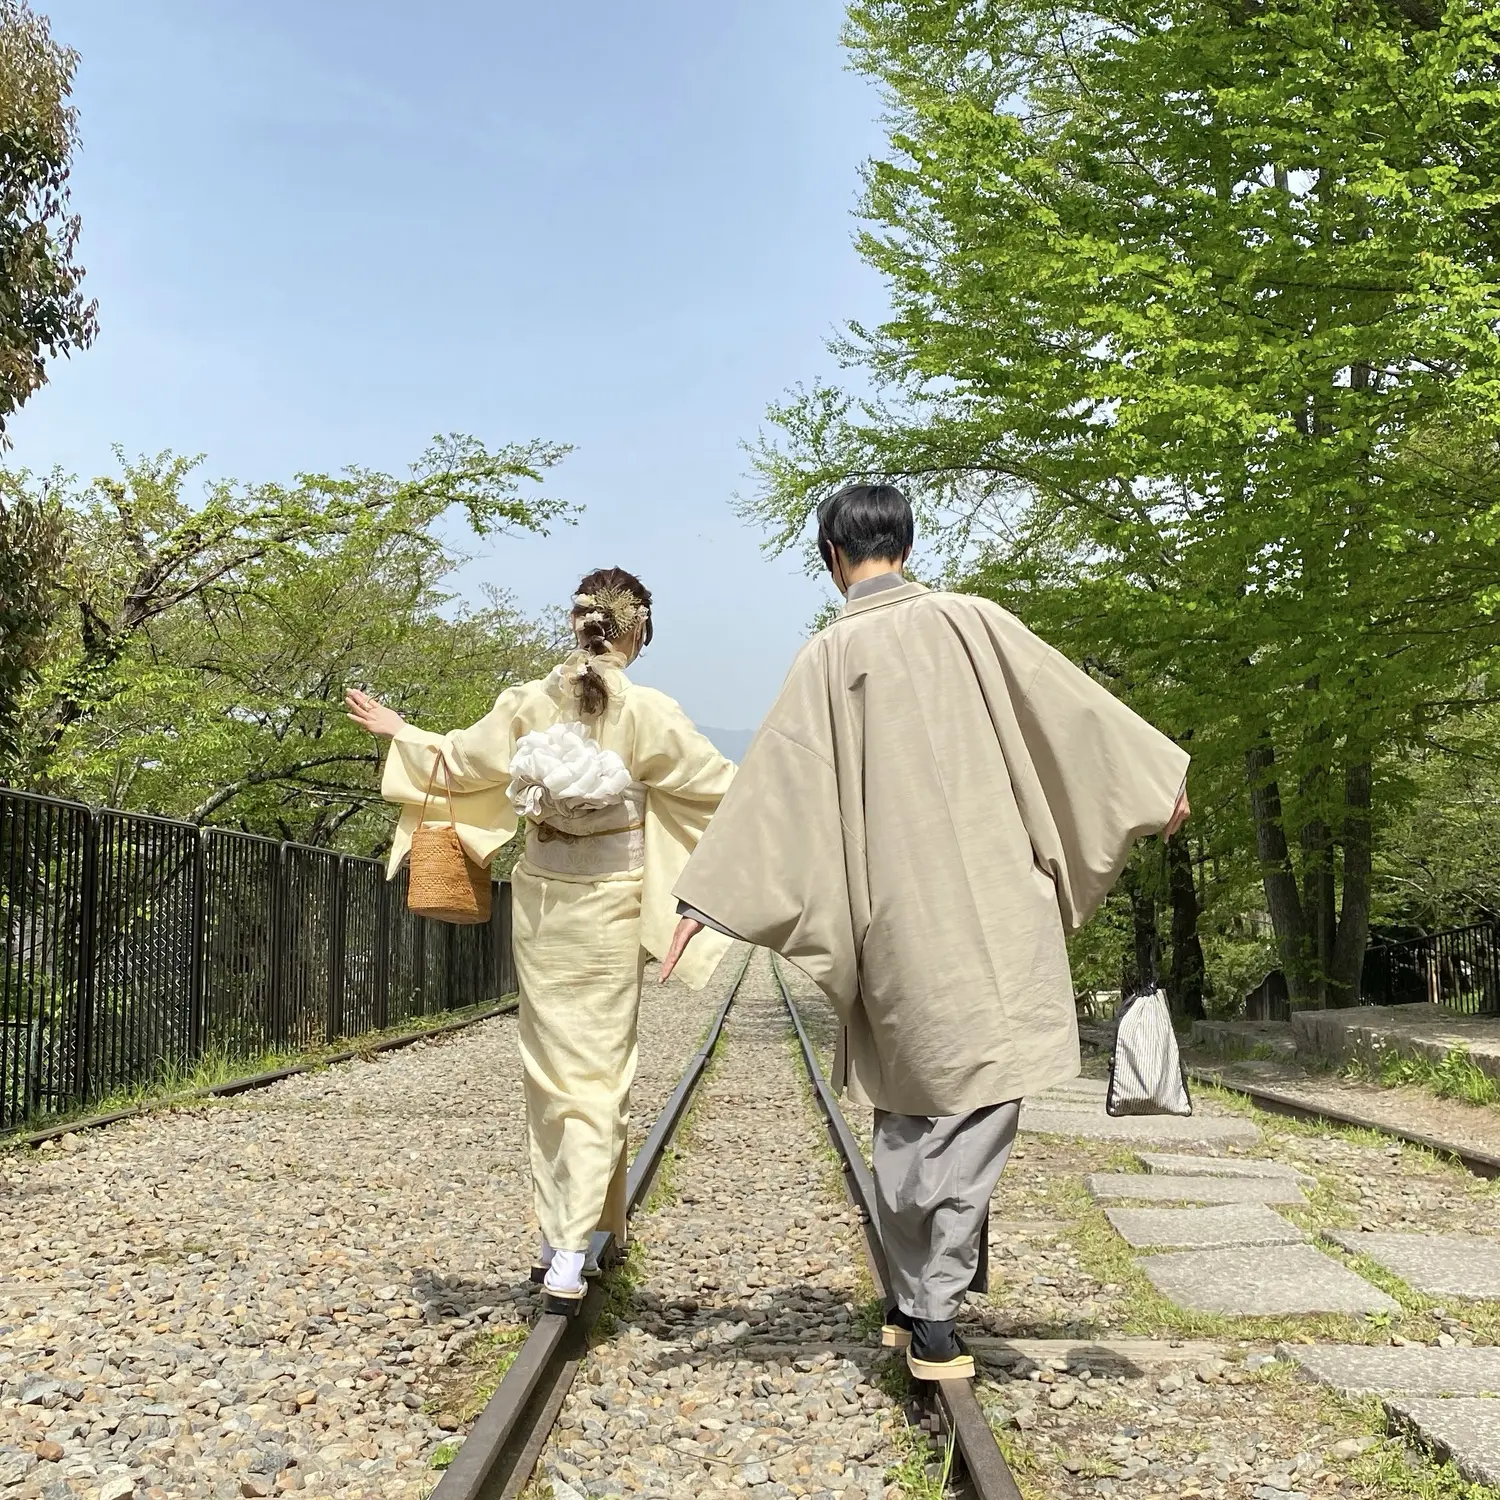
x: 584, y: 815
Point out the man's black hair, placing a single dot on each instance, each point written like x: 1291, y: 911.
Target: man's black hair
x: 865, y: 521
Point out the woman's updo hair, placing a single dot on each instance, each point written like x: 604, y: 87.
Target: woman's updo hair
x: 608, y: 606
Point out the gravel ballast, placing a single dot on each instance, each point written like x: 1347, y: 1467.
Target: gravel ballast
x: 261, y: 1296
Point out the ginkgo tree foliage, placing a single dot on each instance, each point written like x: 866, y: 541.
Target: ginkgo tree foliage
x: 1193, y: 358
x: 205, y: 636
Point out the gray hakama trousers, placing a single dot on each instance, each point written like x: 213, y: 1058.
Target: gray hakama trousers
x: 933, y: 1181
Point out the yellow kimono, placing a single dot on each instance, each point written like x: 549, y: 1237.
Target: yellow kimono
x: 592, y: 897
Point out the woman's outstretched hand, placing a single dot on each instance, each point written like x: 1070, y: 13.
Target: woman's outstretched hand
x: 687, y: 930
x: 370, y: 713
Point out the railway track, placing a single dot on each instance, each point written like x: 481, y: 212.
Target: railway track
x: 500, y: 1454
x: 952, y: 1402
x: 1285, y: 1102
x: 1282, y: 1102
x: 507, y: 1438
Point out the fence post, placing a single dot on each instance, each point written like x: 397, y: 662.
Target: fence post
x: 383, y: 956
x: 88, y: 957
x: 276, y: 1030
x: 450, y: 967
x: 419, y: 963
x: 197, y: 1000
x: 336, y: 950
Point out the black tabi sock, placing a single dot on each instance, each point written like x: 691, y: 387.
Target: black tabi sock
x: 935, y: 1340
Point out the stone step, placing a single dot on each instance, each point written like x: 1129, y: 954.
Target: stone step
x: 1095, y: 1125
x: 1203, y: 1228
x: 1176, y: 1164
x: 1464, y: 1430
x: 1142, y: 1187
x: 1269, y: 1281
x: 1412, y: 1370
x: 1269, y: 1040
x: 1130, y: 1357
x: 1440, y: 1265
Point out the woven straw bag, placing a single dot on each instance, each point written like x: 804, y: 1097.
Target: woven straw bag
x: 443, y: 882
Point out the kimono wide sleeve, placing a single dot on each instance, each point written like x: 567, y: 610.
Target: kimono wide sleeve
x: 478, y: 761
x: 772, y: 867
x: 1089, y: 774
x: 685, y: 778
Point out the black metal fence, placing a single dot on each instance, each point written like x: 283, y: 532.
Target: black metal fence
x: 1459, y: 969
x: 131, y: 947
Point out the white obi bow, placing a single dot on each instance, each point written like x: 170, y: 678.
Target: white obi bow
x: 564, y: 770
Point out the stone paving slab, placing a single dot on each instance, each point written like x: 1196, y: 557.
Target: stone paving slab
x: 1082, y: 1093
x: 1441, y: 1265
x: 1413, y: 1370
x: 1179, y: 1164
x: 1465, y: 1429
x: 1268, y: 1281
x: 1143, y: 1187
x: 1203, y: 1228
x: 1095, y: 1125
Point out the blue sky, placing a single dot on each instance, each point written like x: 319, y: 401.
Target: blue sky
x: 320, y: 232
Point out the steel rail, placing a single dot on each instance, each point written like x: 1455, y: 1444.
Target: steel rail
x: 1283, y: 1102
x: 957, y: 1405
x: 1280, y: 1102
x: 507, y: 1438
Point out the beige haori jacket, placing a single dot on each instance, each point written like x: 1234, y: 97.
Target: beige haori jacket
x: 683, y: 773
x: 935, y: 800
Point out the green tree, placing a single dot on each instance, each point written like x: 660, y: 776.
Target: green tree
x: 43, y: 312
x: 1193, y: 356
x: 206, y: 646
x: 1439, y: 864
x: 32, y: 547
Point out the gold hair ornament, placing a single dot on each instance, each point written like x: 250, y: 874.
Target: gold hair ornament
x: 617, y: 609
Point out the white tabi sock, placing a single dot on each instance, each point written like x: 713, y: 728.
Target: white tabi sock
x: 544, y: 1256
x: 565, y: 1274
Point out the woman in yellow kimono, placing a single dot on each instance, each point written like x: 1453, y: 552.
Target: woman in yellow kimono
x: 615, y: 786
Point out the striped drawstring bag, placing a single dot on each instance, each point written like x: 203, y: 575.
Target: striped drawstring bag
x: 1145, y: 1070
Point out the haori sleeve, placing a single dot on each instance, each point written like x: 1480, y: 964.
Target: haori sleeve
x: 1107, y: 776
x: 774, y: 866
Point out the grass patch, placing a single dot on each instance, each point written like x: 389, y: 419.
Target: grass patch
x: 1456, y: 1076
x: 443, y: 1455
x: 1389, y: 1470
x: 175, y: 1084
x: 1393, y: 1468
x: 490, y: 1356
x: 619, y: 1286
x: 917, y: 1456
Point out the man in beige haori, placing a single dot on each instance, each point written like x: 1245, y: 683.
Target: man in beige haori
x: 935, y: 801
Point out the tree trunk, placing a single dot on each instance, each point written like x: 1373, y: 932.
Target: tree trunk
x: 1185, y: 983
x: 1142, y: 963
x: 1288, y: 919
x: 1354, y: 918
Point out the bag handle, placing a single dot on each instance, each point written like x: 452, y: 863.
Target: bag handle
x: 447, y: 789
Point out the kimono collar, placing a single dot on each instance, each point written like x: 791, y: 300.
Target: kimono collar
x: 896, y: 593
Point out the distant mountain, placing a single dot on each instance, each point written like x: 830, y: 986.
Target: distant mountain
x: 731, y: 742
